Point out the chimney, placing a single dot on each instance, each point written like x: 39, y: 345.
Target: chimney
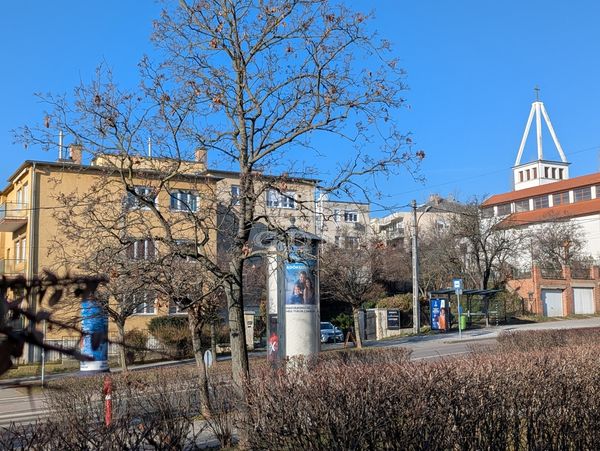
x: 76, y: 153
x: 200, y: 155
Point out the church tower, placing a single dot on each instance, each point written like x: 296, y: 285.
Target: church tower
x: 540, y: 171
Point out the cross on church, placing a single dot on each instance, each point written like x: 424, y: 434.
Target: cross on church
x: 537, y: 93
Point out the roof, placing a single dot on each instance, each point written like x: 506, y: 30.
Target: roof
x: 65, y: 165
x: 554, y: 187
x: 582, y: 208
x: 223, y: 173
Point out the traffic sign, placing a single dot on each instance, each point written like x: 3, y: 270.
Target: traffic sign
x: 457, y: 284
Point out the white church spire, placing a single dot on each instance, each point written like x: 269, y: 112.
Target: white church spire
x: 542, y: 170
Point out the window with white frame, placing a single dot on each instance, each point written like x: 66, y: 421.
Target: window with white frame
x: 184, y: 201
x: 336, y: 215
x: 350, y: 216
x: 350, y: 242
x: 522, y: 205
x: 144, y: 195
x: 560, y: 198
x: 145, y: 303
x: 175, y: 309
x: 503, y: 209
x: 540, y: 202
x: 141, y: 250
x: 283, y: 199
x: 584, y: 193
x: 235, y: 195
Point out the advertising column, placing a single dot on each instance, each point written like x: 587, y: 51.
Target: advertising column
x: 302, y: 301
x: 94, y: 343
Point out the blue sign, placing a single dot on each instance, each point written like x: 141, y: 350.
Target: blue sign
x: 94, y: 343
x: 457, y: 284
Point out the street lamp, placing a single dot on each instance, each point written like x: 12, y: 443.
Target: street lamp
x: 415, y: 266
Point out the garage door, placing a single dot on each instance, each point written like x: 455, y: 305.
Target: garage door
x: 583, y: 301
x: 552, y: 301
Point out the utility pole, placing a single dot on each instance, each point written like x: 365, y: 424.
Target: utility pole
x: 415, y: 272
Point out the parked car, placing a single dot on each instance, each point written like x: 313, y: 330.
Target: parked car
x: 330, y: 333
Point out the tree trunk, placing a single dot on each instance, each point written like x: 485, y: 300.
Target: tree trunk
x: 357, y: 337
x: 213, y: 338
x: 121, y: 338
x: 195, y: 325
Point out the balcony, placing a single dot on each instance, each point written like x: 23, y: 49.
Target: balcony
x: 12, y: 267
x: 393, y: 234
x: 13, y: 215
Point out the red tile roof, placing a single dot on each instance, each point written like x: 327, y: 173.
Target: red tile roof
x: 555, y: 187
x: 583, y: 208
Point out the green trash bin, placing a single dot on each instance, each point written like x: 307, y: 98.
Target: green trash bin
x: 463, y: 321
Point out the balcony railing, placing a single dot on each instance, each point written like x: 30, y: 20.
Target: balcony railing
x: 12, y: 216
x: 581, y: 273
x: 521, y: 273
x: 12, y: 267
x: 552, y: 273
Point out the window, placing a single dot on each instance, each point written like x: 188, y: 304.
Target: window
x: 184, y: 201
x: 141, y: 250
x: 535, y: 173
x: 553, y: 173
x: 20, y: 250
x: 350, y: 242
x: 285, y: 199
x: 487, y: 212
x: 175, y: 309
x: 560, y: 198
x: 584, y: 193
x: 503, y: 209
x: 560, y: 173
x: 336, y: 215
x: 146, y: 193
x: 528, y: 174
x: 546, y: 173
x: 440, y: 224
x: 144, y: 303
x: 540, y: 202
x: 350, y: 216
x: 522, y: 205
x: 520, y: 176
x: 235, y: 195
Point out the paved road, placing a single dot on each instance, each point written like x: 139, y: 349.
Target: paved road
x: 16, y: 404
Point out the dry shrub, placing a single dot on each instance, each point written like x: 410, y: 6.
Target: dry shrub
x: 151, y: 410
x: 531, y: 340
x: 528, y: 400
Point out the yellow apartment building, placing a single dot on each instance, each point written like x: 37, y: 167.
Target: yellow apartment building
x: 46, y: 207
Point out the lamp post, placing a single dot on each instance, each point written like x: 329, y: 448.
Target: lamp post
x: 415, y: 266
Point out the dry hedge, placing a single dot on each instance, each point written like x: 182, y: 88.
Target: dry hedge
x: 519, y: 400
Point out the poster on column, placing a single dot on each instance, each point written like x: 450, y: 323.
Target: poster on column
x: 94, y: 343
x: 301, y: 308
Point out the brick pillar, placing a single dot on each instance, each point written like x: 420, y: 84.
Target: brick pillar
x: 596, y: 279
x: 568, y: 293
x: 536, y: 276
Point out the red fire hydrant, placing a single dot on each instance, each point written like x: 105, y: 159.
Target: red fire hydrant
x: 107, y: 392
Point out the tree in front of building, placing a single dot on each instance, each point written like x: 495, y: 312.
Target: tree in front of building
x: 351, y: 276
x: 253, y: 83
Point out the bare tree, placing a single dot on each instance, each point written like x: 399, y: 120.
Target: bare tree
x: 557, y: 243
x: 486, y: 244
x: 251, y: 82
x: 350, y: 275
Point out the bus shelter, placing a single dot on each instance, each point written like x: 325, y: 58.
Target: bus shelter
x: 475, y: 304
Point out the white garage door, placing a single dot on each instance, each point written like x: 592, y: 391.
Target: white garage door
x: 552, y: 301
x: 583, y: 301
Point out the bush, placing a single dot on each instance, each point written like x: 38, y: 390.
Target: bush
x: 399, y: 301
x: 174, y: 335
x: 528, y: 400
x: 135, y: 342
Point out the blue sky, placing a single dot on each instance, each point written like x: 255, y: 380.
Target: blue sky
x: 471, y: 68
